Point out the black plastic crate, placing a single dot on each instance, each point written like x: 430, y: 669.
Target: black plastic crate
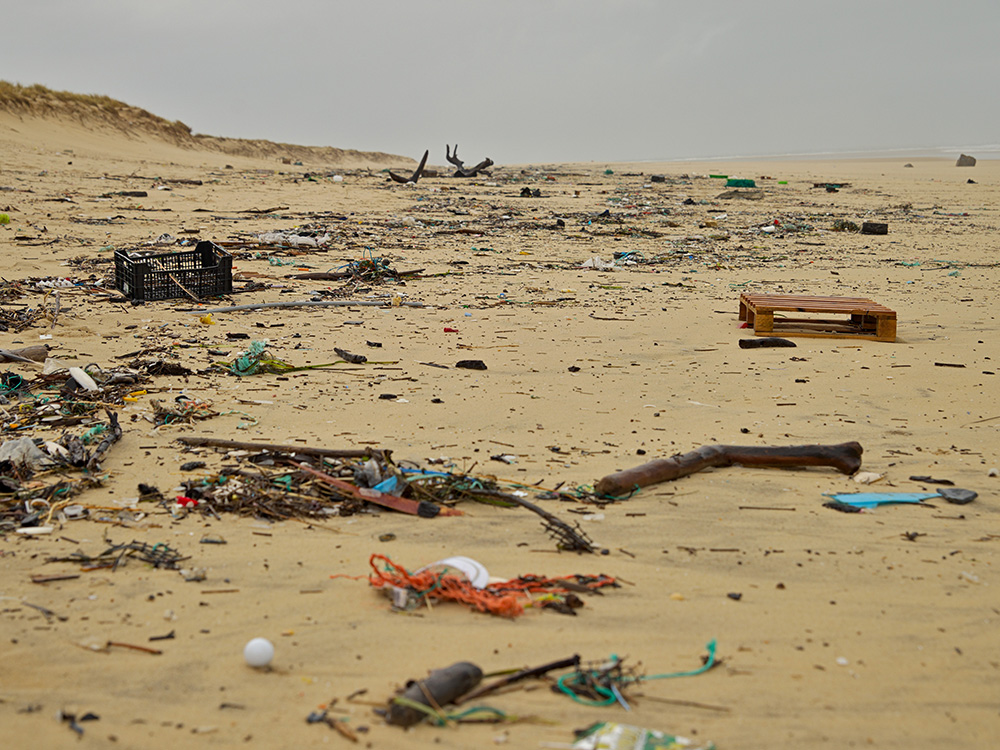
x: 206, y: 271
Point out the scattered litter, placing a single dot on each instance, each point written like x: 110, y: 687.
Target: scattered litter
x: 424, y: 698
x: 258, y: 652
x: 868, y: 477
x: 505, y: 598
x: 612, y: 736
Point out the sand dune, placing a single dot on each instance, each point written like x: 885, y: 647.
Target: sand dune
x: 27, y: 109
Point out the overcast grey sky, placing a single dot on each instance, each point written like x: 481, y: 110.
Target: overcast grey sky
x: 530, y: 80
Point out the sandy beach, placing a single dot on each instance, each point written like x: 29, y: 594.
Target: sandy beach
x: 832, y: 629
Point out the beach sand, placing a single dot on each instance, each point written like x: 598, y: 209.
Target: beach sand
x: 851, y: 630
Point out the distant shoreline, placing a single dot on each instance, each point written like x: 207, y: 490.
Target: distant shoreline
x: 990, y: 151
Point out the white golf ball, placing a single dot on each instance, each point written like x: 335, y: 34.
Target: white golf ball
x: 258, y: 652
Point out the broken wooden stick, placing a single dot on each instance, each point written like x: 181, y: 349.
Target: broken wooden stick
x: 845, y: 457
x: 211, y: 442
x: 420, y: 508
x: 567, y: 538
x: 306, y: 303
x: 415, y: 176
x: 523, y: 674
x: 339, y: 275
x: 461, y: 170
x: 111, y: 436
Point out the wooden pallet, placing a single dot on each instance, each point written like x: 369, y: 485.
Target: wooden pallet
x: 865, y: 319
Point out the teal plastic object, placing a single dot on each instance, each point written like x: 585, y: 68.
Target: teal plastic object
x: 736, y: 182
x: 874, y: 499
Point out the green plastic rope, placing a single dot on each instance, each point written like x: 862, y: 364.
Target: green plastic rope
x: 612, y: 695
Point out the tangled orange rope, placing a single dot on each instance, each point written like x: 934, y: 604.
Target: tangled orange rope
x: 504, y: 599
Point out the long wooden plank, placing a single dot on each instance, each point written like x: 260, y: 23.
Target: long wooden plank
x: 811, y: 306
x: 872, y: 310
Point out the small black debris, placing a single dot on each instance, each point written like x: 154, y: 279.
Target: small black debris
x: 735, y: 596
x: 931, y: 480
x: 388, y: 396
x: 471, y: 364
x: 354, y: 359
x: 874, y: 227
x: 842, y: 507
x: 573, y: 368
x: 374, y: 344
x: 192, y: 465
x: 766, y: 341
x: 957, y: 496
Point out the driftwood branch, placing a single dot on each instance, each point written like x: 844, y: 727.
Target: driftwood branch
x: 461, y: 170
x: 845, y: 457
x: 568, y: 538
x: 524, y: 674
x: 305, y: 303
x: 211, y: 442
x: 415, y: 176
x: 112, y: 436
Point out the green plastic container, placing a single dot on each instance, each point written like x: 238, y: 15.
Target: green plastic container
x: 719, y: 176
x: 741, y: 183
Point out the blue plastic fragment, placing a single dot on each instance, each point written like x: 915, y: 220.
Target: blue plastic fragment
x: 389, y: 486
x: 874, y: 499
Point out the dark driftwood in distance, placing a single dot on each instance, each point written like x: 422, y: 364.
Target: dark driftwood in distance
x: 416, y: 175
x: 845, y: 457
x: 461, y: 170
x: 210, y: 442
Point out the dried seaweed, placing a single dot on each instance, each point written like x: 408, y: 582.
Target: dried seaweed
x: 158, y: 555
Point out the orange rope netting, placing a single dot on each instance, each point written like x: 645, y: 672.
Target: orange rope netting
x: 505, y: 599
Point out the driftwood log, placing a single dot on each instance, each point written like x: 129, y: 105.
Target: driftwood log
x: 415, y: 176
x: 461, y: 169
x: 845, y: 457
